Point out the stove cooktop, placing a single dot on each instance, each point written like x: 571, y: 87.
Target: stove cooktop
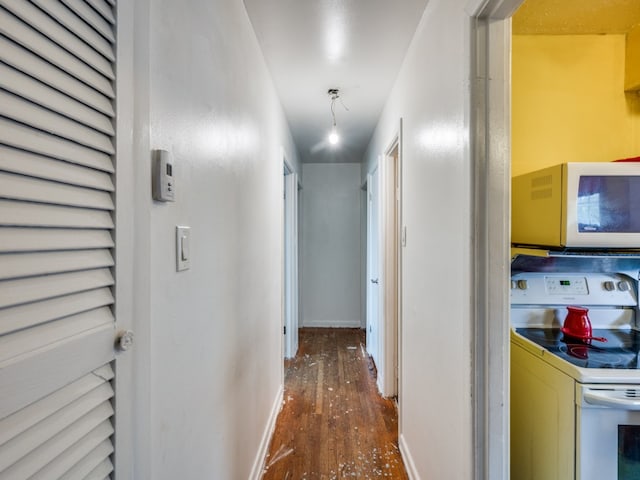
x: 620, y: 351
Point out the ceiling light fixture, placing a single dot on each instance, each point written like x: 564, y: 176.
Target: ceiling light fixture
x: 334, y: 138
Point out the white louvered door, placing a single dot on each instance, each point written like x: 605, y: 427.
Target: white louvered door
x: 57, y: 328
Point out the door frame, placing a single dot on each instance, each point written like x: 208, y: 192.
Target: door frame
x: 373, y: 321
x: 490, y: 119
x: 132, y: 372
x: 290, y: 257
x: 133, y: 368
x: 390, y: 262
x: 364, y: 253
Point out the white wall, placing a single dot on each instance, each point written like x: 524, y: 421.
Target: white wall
x: 208, y: 359
x: 431, y: 95
x: 330, y: 249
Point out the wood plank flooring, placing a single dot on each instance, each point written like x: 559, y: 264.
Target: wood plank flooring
x: 333, y: 422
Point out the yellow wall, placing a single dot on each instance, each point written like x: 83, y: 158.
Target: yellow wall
x: 632, y: 59
x: 569, y: 103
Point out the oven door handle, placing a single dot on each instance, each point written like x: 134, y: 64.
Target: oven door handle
x: 607, y: 398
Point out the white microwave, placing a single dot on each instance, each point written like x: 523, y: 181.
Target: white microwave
x: 578, y: 205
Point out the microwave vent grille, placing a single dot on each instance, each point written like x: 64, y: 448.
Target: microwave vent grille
x: 540, y: 194
x: 541, y: 187
x: 541, y: 181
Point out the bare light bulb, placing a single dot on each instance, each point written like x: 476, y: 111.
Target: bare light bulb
x: 334, y: 138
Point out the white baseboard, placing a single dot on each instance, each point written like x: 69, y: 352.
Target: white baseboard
x: 331, y: 324
x: 261, y: 456
x: 408, y: 459
x: 380, y: 383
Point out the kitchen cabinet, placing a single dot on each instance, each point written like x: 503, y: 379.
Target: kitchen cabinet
x: 542, y: 419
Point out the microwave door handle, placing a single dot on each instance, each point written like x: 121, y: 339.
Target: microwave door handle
x: 606, y: 399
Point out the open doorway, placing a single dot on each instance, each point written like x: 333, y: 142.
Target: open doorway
x: 373, y: 281
x: 391, y: 201
x: 290, y: 235
x: 383, y: 279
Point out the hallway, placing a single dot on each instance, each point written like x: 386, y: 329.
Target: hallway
x: 141, y: 138
x: 333, y: 423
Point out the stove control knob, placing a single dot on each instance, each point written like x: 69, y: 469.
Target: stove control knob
x: 522, y: 284
x: 623, y: 286
x: 609, y: 286
x: 514, y: 284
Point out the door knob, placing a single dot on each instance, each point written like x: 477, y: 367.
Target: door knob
x: 374, y: 281
x: 124, y: 340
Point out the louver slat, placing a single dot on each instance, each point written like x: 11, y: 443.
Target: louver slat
x: 31, y: 64
x: 54, y: 424
x: 27, y: 87
x: 25, y: 138
x: 31, y: 214
x: 32, y: 314
x: 90, y: 16
x: 95, y: 425
x: 54, y: 31
x: 18, y: 292
x: 95, y: 464
x: 30, y: 415
x: 103, y: 9
x: 20, y: 265
x: 33, y: 239
x: 38, y: 166
x: 101, y: 472
x: 18, y: 187
x: 21, y: 33
x: 81, y: 29
x: 81, y: 451
x: 16, y: 108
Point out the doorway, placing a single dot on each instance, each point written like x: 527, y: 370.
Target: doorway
x: 383, y: 279
x: 290, y: 244
x: 491, y: 154
x: 391, y: 241
x: 373, y: 256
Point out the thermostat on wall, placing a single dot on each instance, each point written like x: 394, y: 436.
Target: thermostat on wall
x: 162, y: 184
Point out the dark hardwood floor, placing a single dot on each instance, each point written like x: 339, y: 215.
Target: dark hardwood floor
x: 333, y: 422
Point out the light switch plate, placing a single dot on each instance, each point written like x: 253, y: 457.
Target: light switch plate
x: 183, y: 248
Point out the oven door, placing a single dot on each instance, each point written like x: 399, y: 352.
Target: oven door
x: 608, y: 432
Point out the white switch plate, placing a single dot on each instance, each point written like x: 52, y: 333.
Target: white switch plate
x: 183, y: 248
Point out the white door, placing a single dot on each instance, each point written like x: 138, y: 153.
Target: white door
x: 57, y: 328
x: 373, y: 267
x: 291, y: 263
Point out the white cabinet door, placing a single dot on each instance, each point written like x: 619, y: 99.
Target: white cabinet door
x: 57, y: 328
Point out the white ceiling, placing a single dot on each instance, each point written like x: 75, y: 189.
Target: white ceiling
x: 311, y: 46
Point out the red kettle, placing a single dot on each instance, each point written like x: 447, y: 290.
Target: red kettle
x: 577, y: 325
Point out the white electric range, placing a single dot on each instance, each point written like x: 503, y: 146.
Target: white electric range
x: 575, y: 405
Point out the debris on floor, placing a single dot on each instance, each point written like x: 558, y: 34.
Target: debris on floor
x: 279, y: 455
x: 334, y: 424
